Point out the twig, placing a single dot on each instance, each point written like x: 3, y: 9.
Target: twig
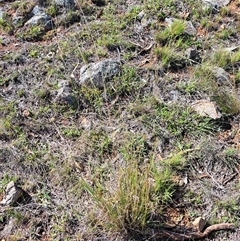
x: 170, y: 235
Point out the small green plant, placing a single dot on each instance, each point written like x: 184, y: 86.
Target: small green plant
x: 71, y: 132
x: 52, y: 10
x: 225, y: 34
x: 168, y: 57
x: 171, y: 33
x: 221, y: 58
x: 32, y: 33
x: 235, y: 57
x: 91, y: 97
x: 134, y: 148
x: 6, y: 24
x: 125, y: 84
x: 228, y: 102
x: 34, y: 53
x: 237, y: 78
x: 101, y: 143
x: 179, y: 121
x: 110, y: 41
x: 70, y: 18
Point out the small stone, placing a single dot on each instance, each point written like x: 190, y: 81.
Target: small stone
x: 192, y: 54
x: 65, y: 94
x: 13, y: 193
x: 221, y: 75
x: 216, y: 3
x: 2, y: 13
x: 190, y: 29
x: 199, y: 223
x: 69, y: 4
x: 206, y: 108
x: 140, y: 16
x: 17, y: 20
x: 26, y: 113
x: 86, y: 124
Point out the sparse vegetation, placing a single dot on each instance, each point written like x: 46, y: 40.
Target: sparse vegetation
x: 123, y: 160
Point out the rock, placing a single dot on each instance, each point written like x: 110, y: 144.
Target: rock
x: 95, y: 74
x: 192, y: 54
x: 37, y: 10
x: 190, y: 29
x: 86, y: 124
x: 65, y: 95
x: 6, y: 232
x: 221, y: 75
x: 2, y: 13
x: 233, y: 48
x: 206, y: 108
x: 17, y: 20
x: 40, y: 17
x: 13, y: 193
x: 141, y: 15
x: 199, y: 223
x: 215, y: 5
x: 69, y: 4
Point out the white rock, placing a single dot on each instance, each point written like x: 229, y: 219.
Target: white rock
x: 206, y: 108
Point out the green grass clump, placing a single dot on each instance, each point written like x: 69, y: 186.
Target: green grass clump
x: 171, y: 33
x: 33, y: 33
x: 135, y: 194
x: 6, y: 24
x: 169, y: 58
x: 228, y: 102
x: 179, y: 121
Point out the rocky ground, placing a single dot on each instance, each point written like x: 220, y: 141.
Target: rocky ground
x: 119, y: 120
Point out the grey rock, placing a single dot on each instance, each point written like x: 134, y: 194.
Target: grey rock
x: 40, y: 17
x: 95, y: 74
x: 141, y: 15
x: 64, y: 83
x: 37, y: 10
x: 190, y: 29
x: 2, y: 13
x: 215, y: 5
x: 17, y: 20
x: 13, y: 193
x: 6, y: 232
x: 221, y: 75
x: 43, y: 19
x: 233, y: 48
x: 69, y: 4
x: 65, y: 94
